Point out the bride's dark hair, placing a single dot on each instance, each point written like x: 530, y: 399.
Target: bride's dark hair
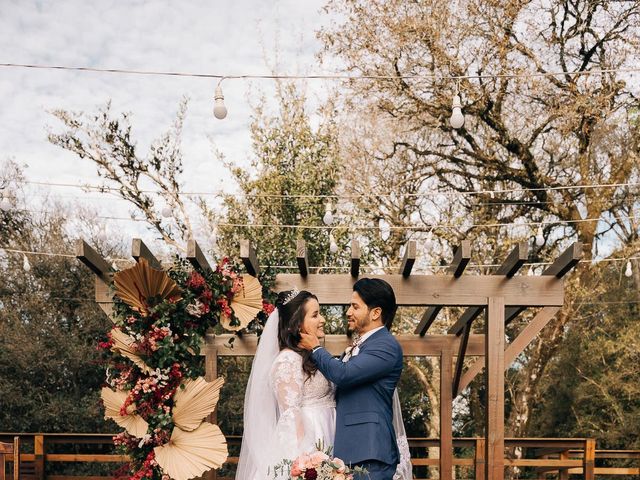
x: 291, y: 319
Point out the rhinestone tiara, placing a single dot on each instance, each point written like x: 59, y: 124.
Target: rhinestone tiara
x: 292, y: 294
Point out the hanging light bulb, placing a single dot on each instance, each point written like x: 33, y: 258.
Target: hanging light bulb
x: 457, y: 118
x: 26, y: 266
x: 428, y: 242
x: 5, y: 204
x: 166, y: 212
x: 328, y: 215
x: 333, y: 246
x: 219, y: 109
x: 539, y: 237
x: 385, y: 231
x: 628, y: 272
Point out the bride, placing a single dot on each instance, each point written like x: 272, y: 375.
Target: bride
x: 289, y: 405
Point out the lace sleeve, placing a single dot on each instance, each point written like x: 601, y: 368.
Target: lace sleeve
x: 287, y: 379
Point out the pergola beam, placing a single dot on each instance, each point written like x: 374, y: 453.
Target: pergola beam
x: 559, y: 268
x: 509, y: 267
x: 196, y: 257
x: 408, y: 260
x: 140, y: 250
x: 249, y: 258
x: 412, y: 345
x: 302, y: 257
x: 92, y: 259
x: 461, y: 257
x: 355, y: 258
x: 462, y: 351
x: 515, y: 347
x: 432, y: 290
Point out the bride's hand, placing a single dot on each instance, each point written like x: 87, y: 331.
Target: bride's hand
x: 308, y: 341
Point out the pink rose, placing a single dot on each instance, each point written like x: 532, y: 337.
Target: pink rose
x: 296, y: 471
x: 340, y: 476
x: 318, y: 457
x: 339, y: 465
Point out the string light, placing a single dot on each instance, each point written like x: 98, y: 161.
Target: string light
x: 457, y: 118
x: 385, y: 230
x: 532, y: 265
x: 219, y: 108
x: 166, y: 212
x: 320, y: 76
x: 539, y: 237
x: 26, y: 266
x: 328, y: 215
x: 333, y: 246
x: 628, y: 272
x: 103, y: 189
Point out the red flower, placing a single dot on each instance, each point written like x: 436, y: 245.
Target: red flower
x: 206, y: 296
x: 267, y: 307
x: 310, y: 474
x: 196, y: 281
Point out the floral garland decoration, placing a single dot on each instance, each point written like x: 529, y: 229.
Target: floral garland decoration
x: 155, y: 386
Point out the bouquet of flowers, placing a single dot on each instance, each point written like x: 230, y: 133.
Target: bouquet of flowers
x: 317, y: 465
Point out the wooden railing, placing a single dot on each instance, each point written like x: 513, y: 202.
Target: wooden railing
x: 560, y: 457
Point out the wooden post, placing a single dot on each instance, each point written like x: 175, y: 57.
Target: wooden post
x: 446, y: 415
x: 408, y: 260
x: 563, y: 473
x: 140, y: 250
x: 494, y: 363
x: 478, y: 463
x: 355, y: 258
x: 196, y: 257
x: 211, y: 373
x: 39, y: 453
x: 589, y: 461
x: 249, y: 258
x: 302, y: 257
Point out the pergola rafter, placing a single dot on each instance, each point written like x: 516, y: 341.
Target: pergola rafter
x: 501, y: 296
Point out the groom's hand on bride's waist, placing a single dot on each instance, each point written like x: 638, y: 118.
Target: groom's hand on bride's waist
x: 308, y: 342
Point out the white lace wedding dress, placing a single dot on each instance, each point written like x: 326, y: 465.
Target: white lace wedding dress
x: 306, y: 407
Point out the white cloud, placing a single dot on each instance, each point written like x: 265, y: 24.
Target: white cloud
x: 220, y: 37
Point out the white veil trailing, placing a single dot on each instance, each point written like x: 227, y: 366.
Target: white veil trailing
x: 260, y: 406
x: 404, y: 470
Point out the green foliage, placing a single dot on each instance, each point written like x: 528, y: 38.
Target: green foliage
x: 50, y: 371
x: 291, y: 158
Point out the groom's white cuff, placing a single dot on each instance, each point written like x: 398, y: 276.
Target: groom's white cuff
x: 316, y: 348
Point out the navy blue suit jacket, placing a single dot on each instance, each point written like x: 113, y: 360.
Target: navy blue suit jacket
x: 364, y: 399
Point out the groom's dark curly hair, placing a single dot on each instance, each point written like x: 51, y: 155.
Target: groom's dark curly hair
x: 291, y: 319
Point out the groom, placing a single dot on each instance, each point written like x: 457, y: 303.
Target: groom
x: 366, y: 377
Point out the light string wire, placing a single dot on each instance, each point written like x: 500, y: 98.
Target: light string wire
x: 425, y: 228
x: 345, y: 267
x: 333, y: 76
x: 104, y: 189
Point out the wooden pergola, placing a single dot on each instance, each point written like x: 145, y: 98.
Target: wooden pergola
x: 502, y: 296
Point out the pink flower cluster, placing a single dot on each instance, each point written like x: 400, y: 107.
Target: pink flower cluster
x: 319, y: 466
x: 156, y: 334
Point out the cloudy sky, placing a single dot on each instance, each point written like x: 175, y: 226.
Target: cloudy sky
x: 217, y: 37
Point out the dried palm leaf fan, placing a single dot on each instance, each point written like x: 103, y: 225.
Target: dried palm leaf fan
x: 131, y: 422
x: 190, y: 454
x: 195, y: 401
x: 245, y: 304
x: 124, y: 344
x: 143, y: 287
